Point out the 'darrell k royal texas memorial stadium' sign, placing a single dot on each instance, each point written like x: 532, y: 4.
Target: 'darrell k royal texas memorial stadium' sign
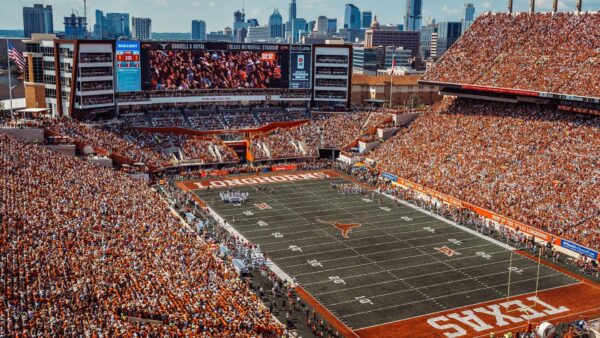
x: 259, y: 180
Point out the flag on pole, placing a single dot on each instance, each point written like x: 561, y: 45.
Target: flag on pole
x: 15, y: 56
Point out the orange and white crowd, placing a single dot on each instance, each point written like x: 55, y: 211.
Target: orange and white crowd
x: 530, y: 163
x: 555, y: 53
x: 88, y: 252
x: 142, y: 146
x: 327, y: 130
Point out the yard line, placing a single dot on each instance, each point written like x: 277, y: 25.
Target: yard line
x: 397, y: 269
x: 444, y: 296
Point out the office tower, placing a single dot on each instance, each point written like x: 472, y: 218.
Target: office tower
x: 37, y: 19
x: 298, y: 26
x: 468, y: 17
x: 142, y: 28
x: 292, y: 10
x: 426, y: 37
x: 331, y: 26
x: 447, y: 34
x: 111, y: 26
x: 252, y: 23
x: 352, y: 17
x: 414, y: 17
x: 198, y: 30
x: 322, y: 25
x: 276, y: 24
x: 367, y: 18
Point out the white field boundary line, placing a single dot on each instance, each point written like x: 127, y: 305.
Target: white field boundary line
x: 472, y: 232
x: 274, y: 268
x: 449, y: 295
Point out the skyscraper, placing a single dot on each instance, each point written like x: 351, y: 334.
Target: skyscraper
x: 322, y: 25
x: 276, y: 24
x: 142, y: 28
x: 298, y: 26
x: 352, y: 17
x: 468, y: 17
x: 239, y: 25
x: 367, y: 18
x: 331, y: 26
x: 198, y: 30
x: 447, y: 34
x: 414, y: 17
x: 111, y: 26
x: 37, y: 19
x: 292, y: 10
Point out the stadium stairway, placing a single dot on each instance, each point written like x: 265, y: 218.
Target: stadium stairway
x: 186, y: 121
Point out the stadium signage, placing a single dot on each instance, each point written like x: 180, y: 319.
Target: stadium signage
x: 493, y: 316
x: 579, y: 249
x: 260, y: 180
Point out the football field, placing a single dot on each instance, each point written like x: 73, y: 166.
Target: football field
x: 371, y: 261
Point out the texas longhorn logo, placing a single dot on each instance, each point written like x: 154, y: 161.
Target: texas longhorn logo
x: 343, y: 227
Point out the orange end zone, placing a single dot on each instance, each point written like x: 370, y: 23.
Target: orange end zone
x: 563, y: 304
x: 253, y: 179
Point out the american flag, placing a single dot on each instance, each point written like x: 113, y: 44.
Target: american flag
x: 15, y: 56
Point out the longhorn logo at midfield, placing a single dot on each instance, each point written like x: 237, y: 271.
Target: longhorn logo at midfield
x: 343, y: 227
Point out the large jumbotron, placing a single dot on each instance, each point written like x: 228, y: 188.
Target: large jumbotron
x: 217, y: 189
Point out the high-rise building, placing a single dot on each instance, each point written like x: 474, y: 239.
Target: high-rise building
x: 352, y: 17
x: 367, y: 18
x: 276, y: 24
x: 332, y: 26
x: 426, y: 34
x: 321, y: 26
x: 259, y: 34
x: 468, y: 17
x: 141, y: 28
x: 292, y: 11
x: 198, y: 30
x: 298, y: 27
x: 112, y: 26
x: 37, y: 19
x: 447, y: 34
x: 239, y: 25
x: 252, y: 23
x: 414, y: 17
x: 75, y: 27
x: 392, y: 37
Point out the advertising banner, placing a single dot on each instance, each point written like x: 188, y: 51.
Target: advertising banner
x: 579, y: 249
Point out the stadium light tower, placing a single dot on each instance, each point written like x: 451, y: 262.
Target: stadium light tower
x: 578, y: 5
x: 510, y: 6
x: 554, y: 6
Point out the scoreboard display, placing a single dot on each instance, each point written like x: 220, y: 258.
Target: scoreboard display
x: 128, y: 66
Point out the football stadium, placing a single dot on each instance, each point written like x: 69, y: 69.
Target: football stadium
x: 203, y: 188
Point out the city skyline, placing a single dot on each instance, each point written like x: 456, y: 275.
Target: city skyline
x: 218, y: 16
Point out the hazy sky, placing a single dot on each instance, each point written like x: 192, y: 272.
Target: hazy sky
x: 176, y: 15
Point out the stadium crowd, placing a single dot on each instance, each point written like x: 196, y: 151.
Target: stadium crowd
x: 89, y: 252
x: 532, y: 164
x: 185, y: 70
x: 485, y: 55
